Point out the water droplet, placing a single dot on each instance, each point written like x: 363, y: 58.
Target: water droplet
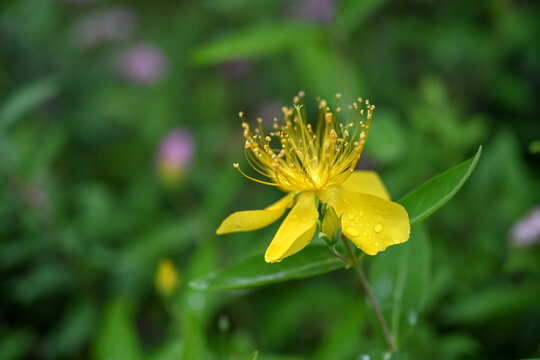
x: 364, y: 234
x: 412, y: 318
x: 350, y: 216
x: 304, y: 219
x: 353, y: 231
x: 361, y: 213
x: 377, y: 228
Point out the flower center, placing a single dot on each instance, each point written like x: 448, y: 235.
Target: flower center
x: 294, y: 157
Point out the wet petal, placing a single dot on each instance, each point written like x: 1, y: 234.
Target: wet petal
x: 370, y: 222
x: 367, y: 182
x: 254, y: 219
x: 296, y: 231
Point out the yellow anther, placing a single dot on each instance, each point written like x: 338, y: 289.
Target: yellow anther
x: 328, y: 117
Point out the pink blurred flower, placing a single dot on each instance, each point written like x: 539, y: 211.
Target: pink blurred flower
x: 527, y: 230
x: 142, y: 64
x: 321, y: 11
x: 110, y: 25
x: 175, y: 155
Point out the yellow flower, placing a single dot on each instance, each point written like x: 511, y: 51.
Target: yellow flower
x: 166, y: 277
x: 308, y: 164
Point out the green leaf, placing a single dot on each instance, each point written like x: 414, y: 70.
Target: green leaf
x: 26, y: 99
x: 253, y: 41
x: 194, y: 343
x: 400, y: 279
x: 493, y: 304
x: 117, y: 338
x: 353, y: 14
x: 314, y: 260
x: 73, y: 331
x: 434, y: 193
x: 16, y: 344
x: 253, y: 356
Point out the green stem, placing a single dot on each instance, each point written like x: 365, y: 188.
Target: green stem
x: 365, y: 284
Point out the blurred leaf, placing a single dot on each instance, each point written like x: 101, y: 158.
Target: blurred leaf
x: 252, y: 42
x: 139, y: 259
x: 324, y: 71
x: 434, y: 193
x: 42, y: 281
x: 26, y: 99
x: 353, y: 13
x: 534, y: 147
x: 15, y: 344
x: 387, y: 140
x: 216, y: 200
x: 117, y: 338
x: 400, y: 280
x: 499, y: 302
x: 74, y: 331
x: 253, y: 356
x: 342, y: 341
x: 170, y: 351
x: 17, y: 251
x: 254, y: 271
x: 194, y: 343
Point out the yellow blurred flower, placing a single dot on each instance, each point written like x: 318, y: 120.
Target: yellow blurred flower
x: 166, y: 277
x: 308, y: 164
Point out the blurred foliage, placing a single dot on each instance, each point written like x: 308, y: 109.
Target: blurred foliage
x: 85, y: 218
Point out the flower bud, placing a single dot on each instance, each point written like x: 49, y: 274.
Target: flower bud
x: 166, y: 277
x: 331, y: 225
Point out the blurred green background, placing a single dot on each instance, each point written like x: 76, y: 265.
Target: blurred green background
x: 118, y: 128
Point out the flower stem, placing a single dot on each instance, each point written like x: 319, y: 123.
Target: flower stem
x: 365, y: 284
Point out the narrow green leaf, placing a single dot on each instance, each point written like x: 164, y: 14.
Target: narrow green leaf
x: 253, y: 356
x: 254, y: 271
x: 252, y: 42
x: 434, y: 193
x: 400, y: 278
x: 117, y: 338
x: 194, y: 343
x: 26, y: 99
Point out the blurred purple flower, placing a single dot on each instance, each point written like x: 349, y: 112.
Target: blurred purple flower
x: 175, y: 154
x: 527, y: 230
x: 110, y: 25
x: 321, y: 11
x: 142, y: 64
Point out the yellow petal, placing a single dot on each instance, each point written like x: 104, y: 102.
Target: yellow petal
x: 367, y: 182
x: 370, y: 222
x: 254, y: 219
x: 296, y: 230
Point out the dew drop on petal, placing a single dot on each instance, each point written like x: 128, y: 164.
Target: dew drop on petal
x: 377, y: 228
x: 353, y: 231
x: 350, y: 216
